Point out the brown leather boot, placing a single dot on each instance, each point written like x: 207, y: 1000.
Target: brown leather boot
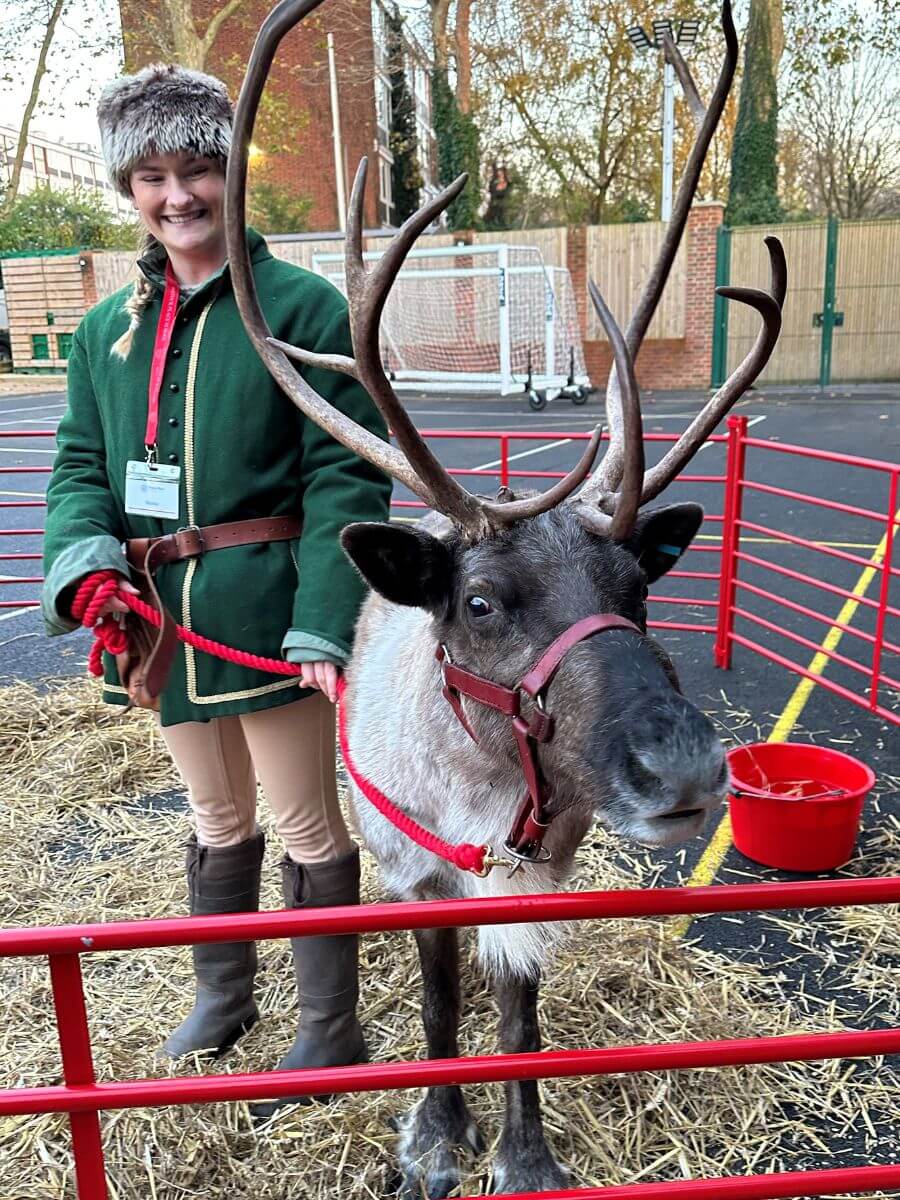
x: 220, y: 880
x: 327, y: 969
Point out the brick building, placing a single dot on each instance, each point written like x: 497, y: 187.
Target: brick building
x: 59, y: 165
x: 295, y: 128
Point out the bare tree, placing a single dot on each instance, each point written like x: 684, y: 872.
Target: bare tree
x: 846, y: 130
x: 40, y: 70
x: 45, y: 42
x: 171, y: 29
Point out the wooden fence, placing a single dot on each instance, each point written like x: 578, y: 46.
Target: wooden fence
x: 45, y: 299
x: 619, y: 259
x: 842, y: 311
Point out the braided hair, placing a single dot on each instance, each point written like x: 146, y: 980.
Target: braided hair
x: 140, y: 296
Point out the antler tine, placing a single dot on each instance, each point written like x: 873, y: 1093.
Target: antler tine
x: 413, y: 464
x: 282, y: 19
x: 769, y: 307
x: 368, y: 293
x: 686, y: 79
x: 610, y: 469
x: 628, y: 501
x: 518, y: 510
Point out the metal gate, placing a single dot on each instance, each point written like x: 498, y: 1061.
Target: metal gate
x: 842, y: 312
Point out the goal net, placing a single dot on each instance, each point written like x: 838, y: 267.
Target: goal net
x: 476, y: 319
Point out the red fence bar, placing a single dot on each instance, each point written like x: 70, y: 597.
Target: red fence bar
x: 436, y: 1072
x: 78, y: 1071
x: 816, y: 647
x: 27, y: 433
x: 861, y: 634
x: 846, y: 460
x: 754, y: 1187
x: 443, y: 914
x: 886, y: 571
x: 731, y: 532
x: 852, y: 510
x: 802, y: 577
x: 830, y: 551
x: 880, y: 711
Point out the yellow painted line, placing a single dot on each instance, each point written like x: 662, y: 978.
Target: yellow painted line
x: 720, y: 842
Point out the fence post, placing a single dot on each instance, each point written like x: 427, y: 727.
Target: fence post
x: 78, y: 1068
x: 731, y: 535
x: 504, y: 460
x: 828, y: 302
x: 720, y: 307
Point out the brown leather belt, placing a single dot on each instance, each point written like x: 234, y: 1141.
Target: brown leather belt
x: 146, y: 554
x: 195, y: 540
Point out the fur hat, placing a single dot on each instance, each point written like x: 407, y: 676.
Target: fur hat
x: 161, y: 110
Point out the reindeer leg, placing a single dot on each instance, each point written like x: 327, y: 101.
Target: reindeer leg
x: 524, y: 1162
x: 440, y: 1123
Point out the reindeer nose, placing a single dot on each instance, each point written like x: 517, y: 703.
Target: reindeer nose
x: 675, y: 760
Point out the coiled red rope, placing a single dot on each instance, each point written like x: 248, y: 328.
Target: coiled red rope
x: 97, y: 589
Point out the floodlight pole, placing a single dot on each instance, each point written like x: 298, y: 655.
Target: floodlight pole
x: 668, y: 133
x: 679, y: 31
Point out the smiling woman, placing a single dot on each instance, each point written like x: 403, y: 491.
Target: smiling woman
x: 177, y: 443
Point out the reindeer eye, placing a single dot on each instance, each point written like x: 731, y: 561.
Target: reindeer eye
x: 478, y: 606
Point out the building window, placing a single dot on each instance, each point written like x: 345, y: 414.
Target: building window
x: 64, y: 344
x: 385, y: 192
x: 40, y: 345
x: 379, y: 36
x: 383, y: 109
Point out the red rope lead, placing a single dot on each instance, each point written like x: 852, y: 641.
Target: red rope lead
x: 465, y: 856
x: 110, y: 636
x: 98, y: 588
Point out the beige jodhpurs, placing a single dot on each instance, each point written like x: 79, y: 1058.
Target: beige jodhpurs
x: 290, y: 750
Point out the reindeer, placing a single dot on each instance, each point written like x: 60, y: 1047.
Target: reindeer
x: 508, y: 637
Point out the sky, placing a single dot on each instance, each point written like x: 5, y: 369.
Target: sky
x: 69, y: 91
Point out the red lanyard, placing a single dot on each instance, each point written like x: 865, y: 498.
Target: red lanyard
x: 164, y: 329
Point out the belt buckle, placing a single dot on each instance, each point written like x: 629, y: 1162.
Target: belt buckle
x: 198, y: 533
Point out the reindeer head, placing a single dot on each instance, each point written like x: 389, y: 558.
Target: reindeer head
x: 502, y: 579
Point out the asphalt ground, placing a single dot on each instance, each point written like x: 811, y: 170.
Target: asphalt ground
x: 750, y: 703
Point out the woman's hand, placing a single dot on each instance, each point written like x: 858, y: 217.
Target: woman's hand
x: 114, y: 604
x: 320, y: 675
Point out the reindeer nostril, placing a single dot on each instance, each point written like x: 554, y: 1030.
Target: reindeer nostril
x: 639, y: 776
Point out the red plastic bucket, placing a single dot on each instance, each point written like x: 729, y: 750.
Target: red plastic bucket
x: 794, y: 806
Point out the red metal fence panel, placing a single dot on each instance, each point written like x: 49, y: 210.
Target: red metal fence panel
x: 83, y: 1098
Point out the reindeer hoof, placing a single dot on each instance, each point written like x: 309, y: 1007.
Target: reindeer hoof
x: 430, y: 1136
x: 530, y: 1169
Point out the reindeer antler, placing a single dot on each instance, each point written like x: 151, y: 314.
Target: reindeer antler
x: 413, y: 464
x: 610, y: 500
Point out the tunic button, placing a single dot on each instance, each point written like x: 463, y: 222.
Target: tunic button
x: 173, y: 387
x: 177, y: 352
x: 173, y: 421
x: 173, y: 458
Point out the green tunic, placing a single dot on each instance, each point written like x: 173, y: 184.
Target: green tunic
x: 244, y: 451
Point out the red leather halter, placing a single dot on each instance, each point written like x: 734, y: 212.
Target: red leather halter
x: 525, y: 841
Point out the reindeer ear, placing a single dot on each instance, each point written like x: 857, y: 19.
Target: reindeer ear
x: 406, y: 566
x: 661, y: 537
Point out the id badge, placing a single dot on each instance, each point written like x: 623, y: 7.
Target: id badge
x: 152, y: 491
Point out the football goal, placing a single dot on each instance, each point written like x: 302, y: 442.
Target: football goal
x: 483, y: 318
